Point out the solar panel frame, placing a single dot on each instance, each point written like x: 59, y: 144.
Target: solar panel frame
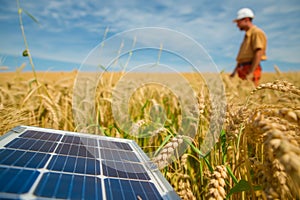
x: 91, y: 155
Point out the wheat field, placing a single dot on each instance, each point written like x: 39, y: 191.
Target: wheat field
x: 256, y: 156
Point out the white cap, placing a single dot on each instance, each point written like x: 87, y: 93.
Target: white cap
x: 243, y: 13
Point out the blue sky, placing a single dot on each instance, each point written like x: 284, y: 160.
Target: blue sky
x: 69, y: 30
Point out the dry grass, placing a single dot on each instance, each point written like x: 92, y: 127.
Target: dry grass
x: 259, y: 143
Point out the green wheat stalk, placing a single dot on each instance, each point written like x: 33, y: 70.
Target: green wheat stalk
x: 26, y: 52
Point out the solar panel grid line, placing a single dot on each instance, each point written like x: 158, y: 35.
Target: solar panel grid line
x: 142, y: 188
x: 128, y: 187
x: 105, y: 147
x: 43, y: 170
x: 104, y: 192
x: 73, y: 165
x: 117, y: 189
x: 25, y: 166
x: 119, y: 158
x: 163, y: 184
x: 146, y: 160
x: 31, y: 144
x: 93, y: 171
x: 10, y: 173
x: 85, y: 187
x: 41, y: 135
x: 74, y: 139
x: 20, y: 171
x: 23, y: 158
x: 131, y: 170
x: 42, y: 175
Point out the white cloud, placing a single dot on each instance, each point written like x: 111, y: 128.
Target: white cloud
x: 69, y: 29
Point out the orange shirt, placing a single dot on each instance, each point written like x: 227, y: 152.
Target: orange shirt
x: 254, y: 39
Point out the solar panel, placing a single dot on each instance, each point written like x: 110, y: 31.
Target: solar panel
x: 38, y: 163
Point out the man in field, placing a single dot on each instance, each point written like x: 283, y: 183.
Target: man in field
x: 253, y: 48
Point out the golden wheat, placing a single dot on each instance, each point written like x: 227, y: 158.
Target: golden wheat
x: 184, y: 187
x: 168, y: 151
x: 260, y: 145
x: 216, y: 184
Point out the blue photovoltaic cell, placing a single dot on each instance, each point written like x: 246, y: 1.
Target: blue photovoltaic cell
x: 114, y: 145
x: 37, y: 163
x: 77, y: 150
x: 75, y: 165
x: 79, y: 140
x: 55, y: 185
x: 109, y: 154
x: 129, y: 189
x: 124, y: 170
x: 31, y: 144
x: 16, y: 181
x: 41, y: 135
x: 71, y: 139
x: 23, y: 158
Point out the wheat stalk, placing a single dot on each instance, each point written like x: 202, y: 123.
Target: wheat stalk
x: 216, y: 184
x: 168, y: 151
x: 283, y: 154
x: 185, y: 187
x: 279, y: 85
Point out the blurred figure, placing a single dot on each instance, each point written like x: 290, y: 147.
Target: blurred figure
x: 253, y: 48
